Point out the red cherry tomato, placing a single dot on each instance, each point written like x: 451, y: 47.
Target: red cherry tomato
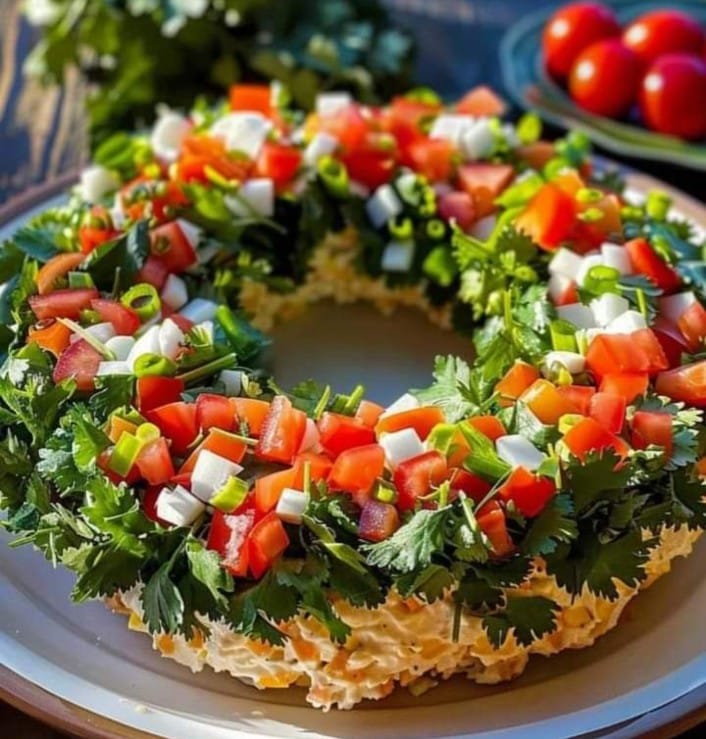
x: 605, y: 78
x: 170, y: 246
x: 668, y: 96
x: 663, y: 32
x: 266, y: 542
x: 572, y: 29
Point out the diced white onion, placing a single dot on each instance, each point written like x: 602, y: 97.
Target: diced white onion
x: 587, y: 264
x: 120, y: 346
x: 406, y: 402
x: 178, y: 506
x: 626, y: 323
x: 255, y: 197
x: 558, y: 285
x: 608, y: 307
x: 232, y: 381
x: 566, y: 262
x: 291, y: 505
x: 174, y: 293
x: 519, y: 452
x: 211, y: 473
x: 192, y: 233
x: 616, y: 256
x: 96, y: 182
x: 330, y: 103
x: 451, y: 127
x: 322, y: 144
x: 383, y: 205
x: 243, y: 131
x: 478, y: 141
x: 398, y: 256
x: 199, y: 310
x: 171, y: 339
x: 116, y: 367
x: 572, y: 361
x: 578, y: 314
x: 148, y: 343
x: 672, y: 307
x: 101, y: 331
x: 168, y: 134
x: 401, y: 445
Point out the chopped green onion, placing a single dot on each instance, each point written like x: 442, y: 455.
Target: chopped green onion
x: 588, y: 195
x: 642, y: 302
x: 529, y: 128
x: 80, y: 279
x: 228, y: 361
x: 657, y: 205
x: 442, y: 436
x: 563, y: 335
x: 231, y: 495
x: 131, y: 416
x: 401, y: 228
x: 306, y: 477
x: 591, y: 215
x: 602, y: 279
x: 154, y: 365
x: 568, y: 421
x: 323, y: 402
x: 423, y: 95
x: 214, y: 176
x: 436, y: 229
x: 90, y: 316
x: 125, y: 453
x: 385, y: 492
x: 143, y: 299
x: 147, y: 432
x: 334, y: 176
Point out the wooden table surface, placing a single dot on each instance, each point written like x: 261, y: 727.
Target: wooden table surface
x: 43, y: 137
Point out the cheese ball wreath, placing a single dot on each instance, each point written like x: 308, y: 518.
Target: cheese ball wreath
x: 301, y: 536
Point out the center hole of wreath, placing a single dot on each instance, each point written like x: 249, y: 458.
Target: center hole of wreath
x: 343, y: 345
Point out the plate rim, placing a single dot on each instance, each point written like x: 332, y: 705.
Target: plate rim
x: 41, y: 703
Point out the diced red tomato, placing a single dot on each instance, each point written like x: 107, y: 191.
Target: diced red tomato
x: 219, y: 442
x: 422, y: 420
x: 62, y: 303
x: 153, y: 392
x: 628, y: 385
x: 96, y: 229
x: 255, y: 98
x: 266, y: 542
x: 176, y: 421
x: 484, y: 182
x: 356, y: 471
x: 370, y: 166
x: 492, y: 522
x: 200, y: 151
x: 432, y: 158
x: 282, y: 432
x: 50, y: 335
x: 647, y: 262
x: 78, y: 361
x: 378, y: 521
x: 650, y: 427
x: 536, y: 155
x: 268, y: 488
x: 459, y: 207
x: 56, y: 269
x: 692, y: 324
x: 687, y: 384
x: 545, y: 401
x: 621, y: 353
x: 549, y: 217
x: 458, y: 451
x: 418, y: 476
x: 700, y: 468
x: 154, y: 272
x: 489, y: 426
x: 589, y: 436
x: 155, y: 462
x: 530, y: 493
x: 568, y: 296
x: 116, y: 425
x: 515, y: 381
x: 319, y: 467
x: 252, y: 412
x: 172, y: 248
x: 369, y: 412
x: 214, y: 411
x: 103, y: 464
x: 482, y: 102
x: 349, y: 126
x: 339, y: 433
x: 609, y: 410
x: 578, y: 396
x: 279, y: 162
x: 228, y: 536
x: 125, y: 321
x: 475, y: 487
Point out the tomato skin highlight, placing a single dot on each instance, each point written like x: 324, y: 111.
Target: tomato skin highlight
x: 594, y: 84
x: 662, y: 32
x: 282, y: 432
x: 78, y: 361
x: 639, y: 351
x: 572, y: 29
x: 545, y: 401
x: 152, y: 392
x: 489, y: 426
x: 268, y: 488
x: 62, y: 303
x: 422, y: 420
x: 530, y: 493
x: 339, y: 433
x: 417, y: 476
x: 266, y: 542
x: 687, y: 384
x: 515, y: 381
x: 219, y: 442
x: 228, y: 536
x: 356, y: 471
x: 378, y: 521
x: 652, y: 428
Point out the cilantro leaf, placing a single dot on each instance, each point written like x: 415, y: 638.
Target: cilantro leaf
x: 556, y: 523
x: 101, y: 570
x: 591, y: 481
x: 451, y: 389
x: 530, y: 618
x: 112, y: 391
x: 162, y: 602
x: 477, y: 595
x: 118, y: 261
x: 430, y: 583
x: 205, y: 566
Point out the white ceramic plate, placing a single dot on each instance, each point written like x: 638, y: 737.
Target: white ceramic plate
x: 86, y: 656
